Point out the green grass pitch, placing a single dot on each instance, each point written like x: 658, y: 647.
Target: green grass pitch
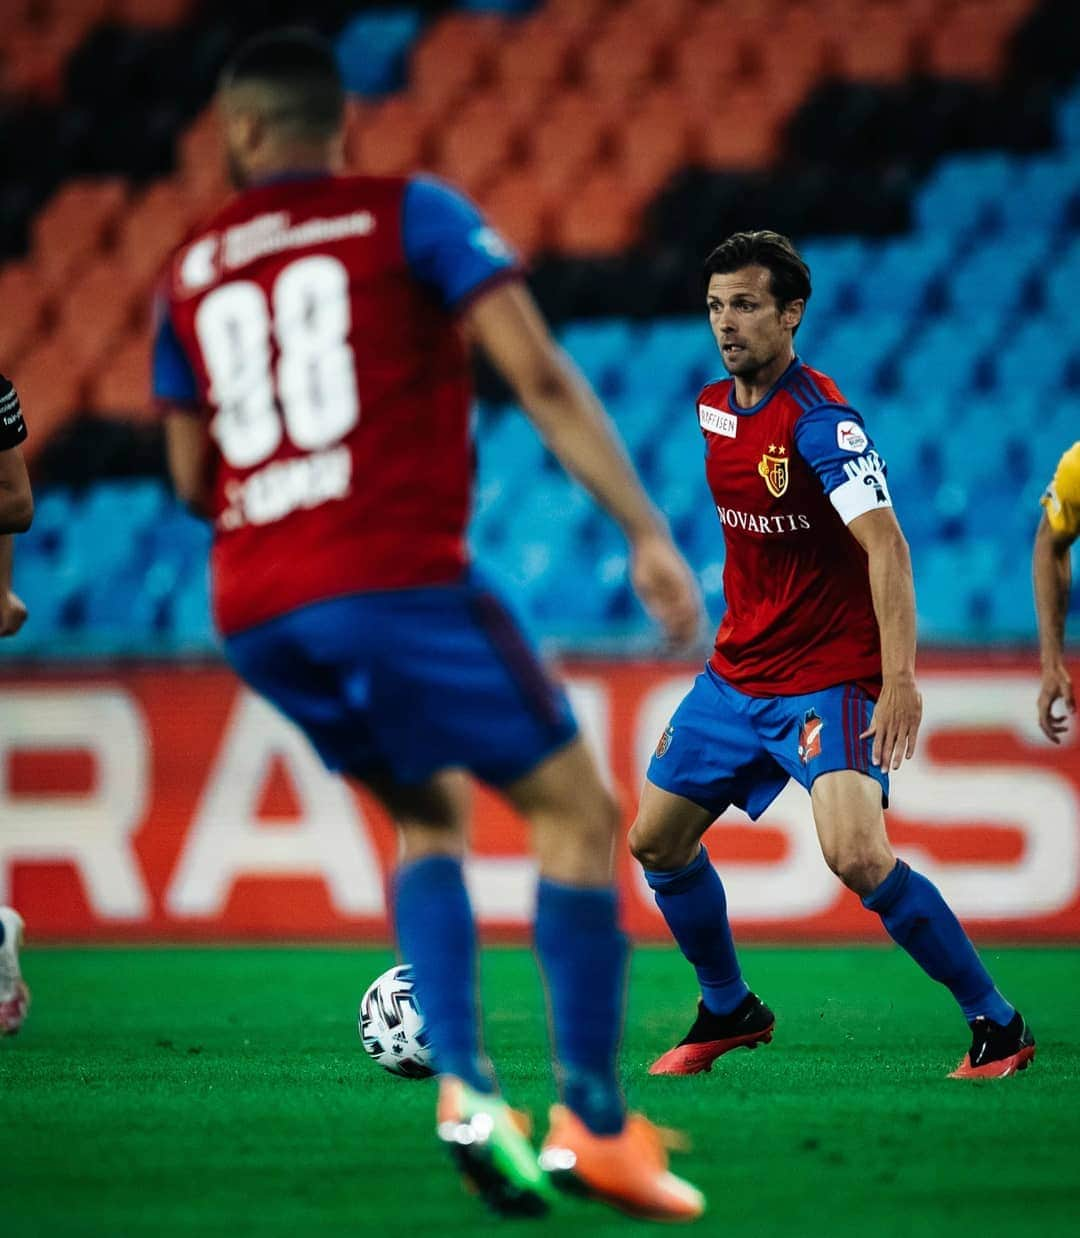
x: 171, y: 1092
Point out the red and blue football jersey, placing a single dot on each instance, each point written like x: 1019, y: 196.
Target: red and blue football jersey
x: 312, y: 322
x: 787, y: 477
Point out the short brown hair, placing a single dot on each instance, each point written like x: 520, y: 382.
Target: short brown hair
x: 789, y: 276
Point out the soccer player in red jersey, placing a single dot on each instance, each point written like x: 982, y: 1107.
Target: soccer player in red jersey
x: 16, y: 513
x: 312, y: 357
x: 813, y: 672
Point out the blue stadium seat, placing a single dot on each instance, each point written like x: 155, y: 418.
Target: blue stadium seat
x: 853, y: 354
x: 600, y: 349
x: 187, y: 619
x: 1038, y: 197
x: 372, y: 50
x: 836, y: 266
x: 1068, y: 121
x: 899, y: 274
x: 1034, y: 350
x: 962, y: 193
x: 943, y: 360
x: 509, y: 446
x: 992, y: 279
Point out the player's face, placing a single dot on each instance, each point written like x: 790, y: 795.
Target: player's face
x: 751, y: 329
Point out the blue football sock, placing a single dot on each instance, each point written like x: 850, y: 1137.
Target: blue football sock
x: 693, y: 902
x: 582, y: 954
x: 436, y: 935
x: 918, y: 918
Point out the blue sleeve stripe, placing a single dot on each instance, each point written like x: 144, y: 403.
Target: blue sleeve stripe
x: 802, y: 397
x: 808, y: 379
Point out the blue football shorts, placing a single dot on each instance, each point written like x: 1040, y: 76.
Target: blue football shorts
x: 723, y: 747
x: 403, y: 683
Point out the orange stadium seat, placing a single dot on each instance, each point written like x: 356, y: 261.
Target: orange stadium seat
x: 537, y: 51
x: 707, y: 70
x: 122, y: 388
x: 96, y: 310
x: 152, y: 226
x: 879, y: 47
x: 51, y: 385
x: 75, y: 222
x: 653, y: 144
x: 600, y: 218
x: 33, y: 63
x: 622, y: 57
x: 26, y: 304
x: 517, y: 209
x: 452, y: 57
x: 569, y: 140
x: 973, y: 40
x: 476, y: 143
x: 393, y: 139
x: 580, y: 15
x: 666, y: 18
x: 747, y: 135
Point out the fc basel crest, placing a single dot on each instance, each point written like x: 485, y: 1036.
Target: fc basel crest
x: 773, y: 468
x: 810, y: 737
x: 664, y: 743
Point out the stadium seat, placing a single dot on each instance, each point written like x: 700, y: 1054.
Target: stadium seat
x: 76, y: 222
x: 51, y: 386
x: 122, y: 389
x: 963, y: 191
x: 27, y: 303
x: 150, y: 228
x: 96, y: 310
x: 899, y: 273
x: 452, y: 56
x: 536, y: 53
x: 372, y: 49
x: 518, y: 210
x: 875, y: 46
x: 971, y: 40
x: 476, y: 144
x: 600, y: 349
x: 393, y: 139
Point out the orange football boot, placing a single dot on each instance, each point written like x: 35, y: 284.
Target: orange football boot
x: 629, y: 1170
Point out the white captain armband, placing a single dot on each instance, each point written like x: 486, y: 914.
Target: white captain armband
x: 864, y: 488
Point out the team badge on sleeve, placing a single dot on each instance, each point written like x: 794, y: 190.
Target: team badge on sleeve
x: 851, y: 437
x: 810, y: 737
x: 664, y: 742
x: 773, y: 468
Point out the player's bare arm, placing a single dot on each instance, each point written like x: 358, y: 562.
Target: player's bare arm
x: 1052, y: 578
x: 895, y: 722
x: 16, y: 498
x: 16, y: 503
x: 187, y: 451
x: 508, y: 325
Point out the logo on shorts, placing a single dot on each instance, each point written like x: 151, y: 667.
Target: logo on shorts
x: 810, y: 737
x: 773, y: 468
x: 664, y: 742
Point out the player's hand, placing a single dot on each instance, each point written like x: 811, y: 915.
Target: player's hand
x: 12, y: 613
x: 663, y: 581
x: 895, y: 722
x: 1056, y: 686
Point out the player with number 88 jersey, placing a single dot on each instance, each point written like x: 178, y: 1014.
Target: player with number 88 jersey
x: 339, y: 387
x: 311, y: 357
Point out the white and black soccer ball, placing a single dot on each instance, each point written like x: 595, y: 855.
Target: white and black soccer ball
x: 392, y: 1027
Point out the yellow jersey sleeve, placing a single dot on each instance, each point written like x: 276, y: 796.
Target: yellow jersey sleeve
x: 1062, y: 497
